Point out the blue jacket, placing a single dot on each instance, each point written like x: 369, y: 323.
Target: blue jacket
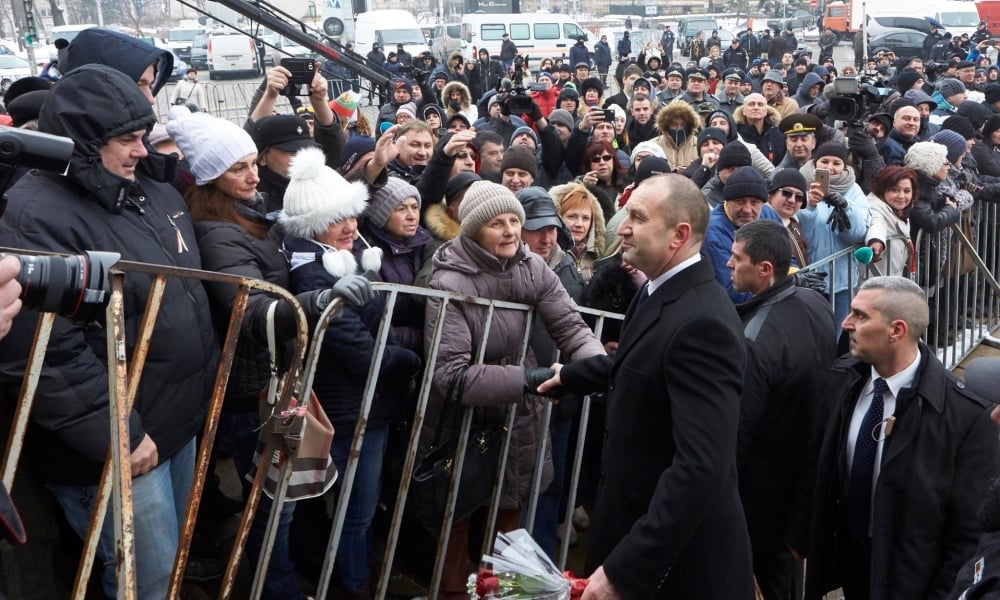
x: 718, y: 246
x: 823, y: 241
x: 578, y: 53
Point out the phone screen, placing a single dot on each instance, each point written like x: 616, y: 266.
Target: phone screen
x: 823, y: 179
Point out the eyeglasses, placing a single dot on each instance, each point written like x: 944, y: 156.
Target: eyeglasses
x: 788, y: 194
x: 602, y: 158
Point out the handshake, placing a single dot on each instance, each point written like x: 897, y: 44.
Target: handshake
x: 534, y: 378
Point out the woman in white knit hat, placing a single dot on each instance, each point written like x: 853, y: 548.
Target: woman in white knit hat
x: 320, y: 219
x: 489, y: 260
x: 234, y: 237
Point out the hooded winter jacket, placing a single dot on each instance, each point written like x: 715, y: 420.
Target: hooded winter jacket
x: 464, y: 267
x: 681, y: 147
x: 144, y: 220
x: 120, y: 52
x: 769, y: 140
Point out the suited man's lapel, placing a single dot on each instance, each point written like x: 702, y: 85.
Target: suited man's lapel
x: 640, y: 321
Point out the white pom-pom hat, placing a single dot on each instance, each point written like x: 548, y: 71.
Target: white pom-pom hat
x: 318, y: 196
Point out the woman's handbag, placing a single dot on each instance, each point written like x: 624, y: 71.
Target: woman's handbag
x: 432, y: 475
x: 307, y: 433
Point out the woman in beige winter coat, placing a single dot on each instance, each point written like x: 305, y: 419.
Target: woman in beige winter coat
x: 582, y: 213
x: 489, y: 260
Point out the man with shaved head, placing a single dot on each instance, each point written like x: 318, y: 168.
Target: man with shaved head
x: 905, y: 127
x: 906, y: 458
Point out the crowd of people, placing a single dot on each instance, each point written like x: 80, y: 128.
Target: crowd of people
x: 727, y: 440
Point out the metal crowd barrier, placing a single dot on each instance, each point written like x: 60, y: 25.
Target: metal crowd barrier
x: 939, y: 271
x: 124, y: 373
x: 958, y: 277
x: 124, y: 376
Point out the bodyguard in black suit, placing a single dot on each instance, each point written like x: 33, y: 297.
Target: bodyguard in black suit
x: 668, y: 521
x: 791, y: 339
x: 906, y: 459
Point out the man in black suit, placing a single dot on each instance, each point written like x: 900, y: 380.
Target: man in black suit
x: 906, y: 459
x: 791, y: 339
x: 668, y: 520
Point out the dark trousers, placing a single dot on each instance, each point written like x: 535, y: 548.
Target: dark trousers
x: 778, y: 574
x: 854, y: 566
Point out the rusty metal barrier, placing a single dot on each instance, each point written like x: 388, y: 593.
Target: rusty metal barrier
x: 124, y: 375
x: 346, y: 480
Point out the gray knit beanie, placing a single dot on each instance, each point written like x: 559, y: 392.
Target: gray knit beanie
x: 483, y: 202
x: 949, y: 86
x: 385, y: 200
x: 926, y: 158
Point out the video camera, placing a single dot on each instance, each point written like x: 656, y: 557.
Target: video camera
x: 853, y: 98
x: 75, y: 287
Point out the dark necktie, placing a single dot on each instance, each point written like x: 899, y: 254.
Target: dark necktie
x: 643, y: 294
x: 859, y: 494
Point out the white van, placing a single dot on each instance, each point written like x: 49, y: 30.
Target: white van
x: 957, y: 17
x: 230, y: 54
x: 388, y: 28
x: 536, y: 35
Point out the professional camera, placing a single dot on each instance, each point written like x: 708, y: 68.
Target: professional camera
x: 75, y: 287
x: 519, y: 101
x: 853, y: 98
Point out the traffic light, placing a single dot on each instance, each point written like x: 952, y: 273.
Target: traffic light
x: 29, y: 39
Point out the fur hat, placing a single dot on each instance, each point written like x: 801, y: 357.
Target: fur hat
x: 926, y: 158
x: 211, y: 145
x: 483, y: 202
x: 386, y: 198
x: 735, y: 154
x: 520, y: 157
x: 318, y: 196
x: 744, y: 182
x: 953, y: 141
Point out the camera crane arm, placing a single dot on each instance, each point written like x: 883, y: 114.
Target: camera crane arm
x: 266, y: 14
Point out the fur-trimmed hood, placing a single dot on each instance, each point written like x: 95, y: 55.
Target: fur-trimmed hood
x: 596, y: 239
x: 772, y: 114
x: 463, y: 91
x: 440, y: 224
x: 679, y: 109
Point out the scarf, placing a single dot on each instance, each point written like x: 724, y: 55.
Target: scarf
x: 841, y: 182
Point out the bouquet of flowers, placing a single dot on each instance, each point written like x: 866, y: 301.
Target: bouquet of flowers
x: 519, y: 570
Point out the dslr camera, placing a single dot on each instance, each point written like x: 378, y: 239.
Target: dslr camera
x: 75, y: 287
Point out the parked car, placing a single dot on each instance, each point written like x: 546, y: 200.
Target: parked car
x: 879, y: 25
x: 445, y: 39
x: 800, y: 19
x: 12, y: 68
x: 286, y: 48
x: 232, y: 54
x: 199, y: 52
x: 903, y: 42
x: 687, y: 27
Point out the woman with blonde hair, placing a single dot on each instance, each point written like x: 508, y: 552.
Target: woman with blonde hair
x: 582, y: 213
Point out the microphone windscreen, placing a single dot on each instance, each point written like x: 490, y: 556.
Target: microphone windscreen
x: 864, y: 255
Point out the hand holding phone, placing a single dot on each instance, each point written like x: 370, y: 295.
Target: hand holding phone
x: 823, y: 179
x: 303, y: 70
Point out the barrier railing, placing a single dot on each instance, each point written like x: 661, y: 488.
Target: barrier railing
x: 952, y: 285
x: 124, y: 373
x: 958, y: 277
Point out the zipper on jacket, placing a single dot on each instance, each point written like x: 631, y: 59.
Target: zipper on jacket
x: 182, y: 246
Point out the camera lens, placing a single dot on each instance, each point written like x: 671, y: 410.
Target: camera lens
x: 75, y: 287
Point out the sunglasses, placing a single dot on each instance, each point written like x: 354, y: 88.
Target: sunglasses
x: 799, y: 196
x: 465, y: 156
x: 602, y: 158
